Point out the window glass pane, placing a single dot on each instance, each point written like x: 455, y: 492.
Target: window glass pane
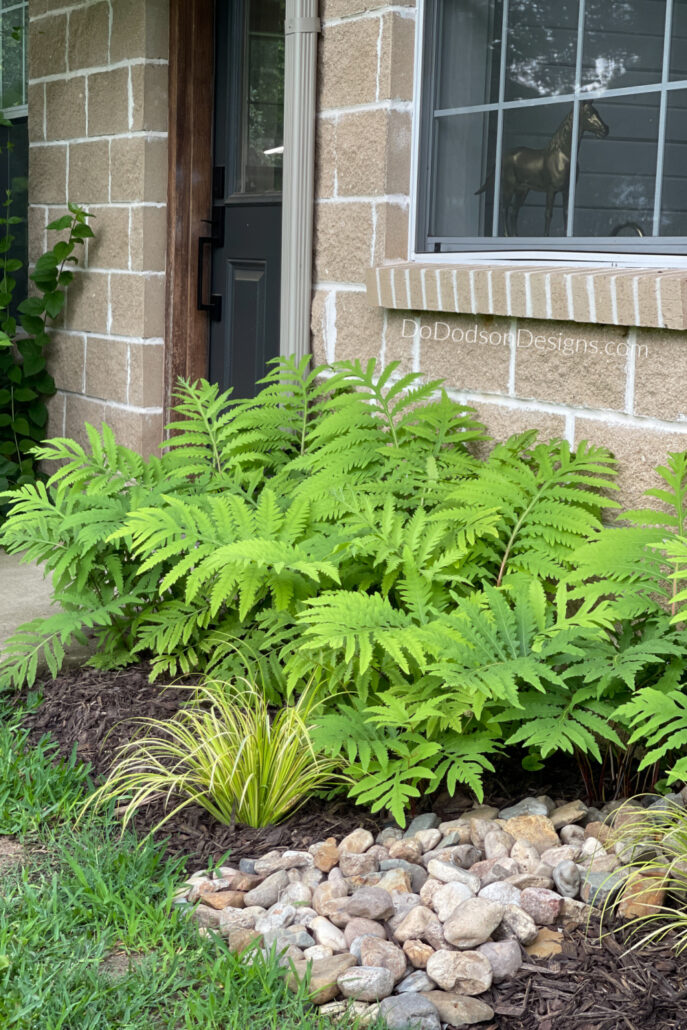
x: 12, y: 55
x: 474, y: 79
x: 617, y: 174
x: 674, y: 205
x: 678, y: 50
x: 14, y: 161
x: 264, y: 98
x: 456, y: 209
x: 623, y: 43
x: 542, y: 39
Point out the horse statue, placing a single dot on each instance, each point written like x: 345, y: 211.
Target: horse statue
x: 548, y: 170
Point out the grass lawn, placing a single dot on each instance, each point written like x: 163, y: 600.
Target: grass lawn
x: 89, y: 934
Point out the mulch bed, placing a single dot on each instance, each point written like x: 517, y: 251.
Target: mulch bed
x: 595, y: 984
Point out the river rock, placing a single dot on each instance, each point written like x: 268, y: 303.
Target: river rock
x: 479, y: 828
x: 317, y: 951
x: 272, y: 862
x: 267, y: 892
x: 326, y: 892
x: 366, y: 983
x: 548, y: 943
x: 353, y: 863
x: 597, y: 888
x: 418, y: 952
x: 428, y: 839
x: 523, y: 880
x: 357, y: 842
x: 409, y: 1012
x: 324, y: 974
x: 528, y: 806
x: 388, y: 834
x: 239, y: 918
x: 458, y: 834
x: 467, y: 972
x: 573, y: 812
x: 417, y: 873
x: 573, y: 913
x: 276, y: 917
x: 459, y: 1011
x: 415, y: 982
x: 472, y: 923
x: 370, y: 903
x: 402, y: 905
x: 243, y: 938
x: 327, y: 934
x: 223, y: 899
x: 543, y: 905
x: 518, y: 924
x: 526, y: 855
x: 448, y: 897
x: 478, y: 812
x: 642, y: 896
x: 406, y: 848
x: 426, y: 821
x: 375, y: 952
x: 563, y: 853
x: 363, y: 928
x: 396, y: 880
x: 571, y: 834
x: 422, y: 924
x: 448, y: 873
x: 598, y: 830
x: 498, y: 844
x: 325, y: 854
x: 494, y: 869
x: 505, y: 958
x: 537, y: 829
x: 567, y: 878
x: 501, y: 891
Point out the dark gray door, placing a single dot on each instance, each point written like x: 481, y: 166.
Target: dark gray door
x: 247, y: 183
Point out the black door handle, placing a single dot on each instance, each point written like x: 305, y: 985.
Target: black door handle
x: 214, y: 305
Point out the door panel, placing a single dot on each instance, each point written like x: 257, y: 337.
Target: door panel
x: 246, y: 224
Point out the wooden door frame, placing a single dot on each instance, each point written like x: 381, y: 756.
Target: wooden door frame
x: 189, y: 186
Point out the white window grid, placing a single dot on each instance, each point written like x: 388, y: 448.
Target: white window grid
x: 580, y: 94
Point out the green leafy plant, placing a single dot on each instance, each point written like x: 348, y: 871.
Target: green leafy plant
x: 340, y: 522
x: 24, y: 380
x: 227, y: 753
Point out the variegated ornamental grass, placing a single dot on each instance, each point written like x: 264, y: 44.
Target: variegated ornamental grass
x: 225, y: 752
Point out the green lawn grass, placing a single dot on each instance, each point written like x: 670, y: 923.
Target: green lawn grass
x: 87, y: 893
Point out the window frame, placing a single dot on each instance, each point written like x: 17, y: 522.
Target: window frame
x: 609, y: 252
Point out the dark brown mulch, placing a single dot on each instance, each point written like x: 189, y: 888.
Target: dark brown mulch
x: 95, y: 710
x: 593, y: 985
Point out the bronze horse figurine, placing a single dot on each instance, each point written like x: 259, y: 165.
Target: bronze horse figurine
x: 548, y: 170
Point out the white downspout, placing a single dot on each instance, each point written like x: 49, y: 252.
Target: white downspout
x: 300, y: 60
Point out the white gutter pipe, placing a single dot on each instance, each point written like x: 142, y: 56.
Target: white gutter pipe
x: 300, y: 58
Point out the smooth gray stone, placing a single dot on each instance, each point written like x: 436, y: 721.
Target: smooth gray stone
x: 247, y: 865
x: 426, y: 821
x: 528, y: 806
x: 409, y: 1012
x: 597, y: 888
x: 567, y: 877
x: 417, y: 981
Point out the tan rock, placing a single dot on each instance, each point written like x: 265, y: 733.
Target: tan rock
x: 360, y: 927
x: 641, y: 896
x: 573, y: 913
x: 237, y: 881
x: 478, y: 812
x: 418, y: 952
x: 457, y: 1009
x: 323, y: 976
x: 428, y: 839
x: 396, y: 881
x: 325, y: 854
x: 420, y: 924
x: 524, y: 880
x: 467, y: 972
x: 407, y: 849
x: 326, y: 892
x: 223, y: 899
x: 376, y: 952
x: 459, y: 827
x: 354, y: 863
x: 548, y: 943
x: 472, y: 923
x: 242, y: 938
x: 537, y: 829
x: 573, y: 812
x: 563, y: 853
x: 429, y: 889
x: 526, y: 855
x: 276, y: 860
x: 357, y: 842
x: 327, y: 934
x: 599, y: 831
x: 239, y: 918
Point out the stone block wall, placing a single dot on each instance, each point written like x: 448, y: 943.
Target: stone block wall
x: 98, y: 138
x: 617, y: 385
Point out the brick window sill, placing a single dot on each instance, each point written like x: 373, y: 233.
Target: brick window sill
x: 651, y: 297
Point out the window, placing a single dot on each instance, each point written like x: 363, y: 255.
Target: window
x: 554, y: 125
x: 14, y: 141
